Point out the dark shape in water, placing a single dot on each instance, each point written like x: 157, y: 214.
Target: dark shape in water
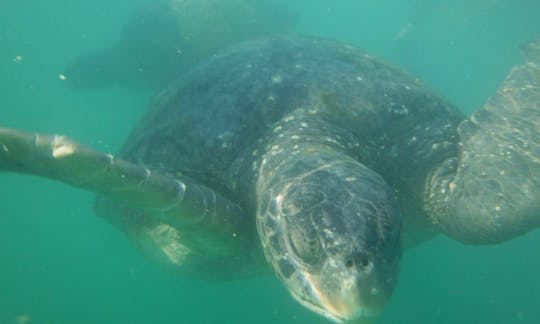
x: 314, y: 153
x: 167, y: 37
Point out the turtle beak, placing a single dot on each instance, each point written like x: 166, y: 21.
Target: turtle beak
x: 354, y: 301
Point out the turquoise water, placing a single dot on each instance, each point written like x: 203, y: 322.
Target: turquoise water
x: 61, y: 264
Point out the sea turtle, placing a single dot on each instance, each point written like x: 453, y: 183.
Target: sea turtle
x: 315, y: 155
x: 189, y: 32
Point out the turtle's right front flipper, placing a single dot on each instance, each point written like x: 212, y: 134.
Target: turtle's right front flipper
x: 491, y: 191
x: 210, y: 222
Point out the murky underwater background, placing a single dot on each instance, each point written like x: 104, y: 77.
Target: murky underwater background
x: 61, y: 264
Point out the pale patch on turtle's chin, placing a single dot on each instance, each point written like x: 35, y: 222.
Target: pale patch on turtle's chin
x: 338, y: 308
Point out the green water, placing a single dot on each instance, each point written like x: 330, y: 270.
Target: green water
x: 61, y: 264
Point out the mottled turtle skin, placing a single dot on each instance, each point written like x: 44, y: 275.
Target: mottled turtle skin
x: 315, y: 156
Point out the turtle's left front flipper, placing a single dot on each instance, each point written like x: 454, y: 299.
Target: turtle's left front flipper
x: 491, y: 191
x: 211, y: 222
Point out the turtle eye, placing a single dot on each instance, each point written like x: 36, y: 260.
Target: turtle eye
x: 306, y: 247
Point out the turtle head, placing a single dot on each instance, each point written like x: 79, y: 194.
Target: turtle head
x: 354, y: 283
x: 335, y: 242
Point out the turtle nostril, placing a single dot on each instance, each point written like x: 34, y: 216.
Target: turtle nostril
x: 360, y: 261
x: 363, y: 261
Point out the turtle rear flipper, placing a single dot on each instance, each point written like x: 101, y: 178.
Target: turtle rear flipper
x: 491, y: 191
x: 210, y: 223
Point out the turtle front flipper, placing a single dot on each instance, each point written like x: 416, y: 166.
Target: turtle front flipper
x: 212, y: 224
x: 491, y: 191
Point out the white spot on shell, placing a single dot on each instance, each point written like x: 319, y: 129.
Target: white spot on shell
x: 277, y: 78
x: 288, y: 119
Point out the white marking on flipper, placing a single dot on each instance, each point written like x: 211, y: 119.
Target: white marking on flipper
x: 62, y: 148
x: 182, y: 190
